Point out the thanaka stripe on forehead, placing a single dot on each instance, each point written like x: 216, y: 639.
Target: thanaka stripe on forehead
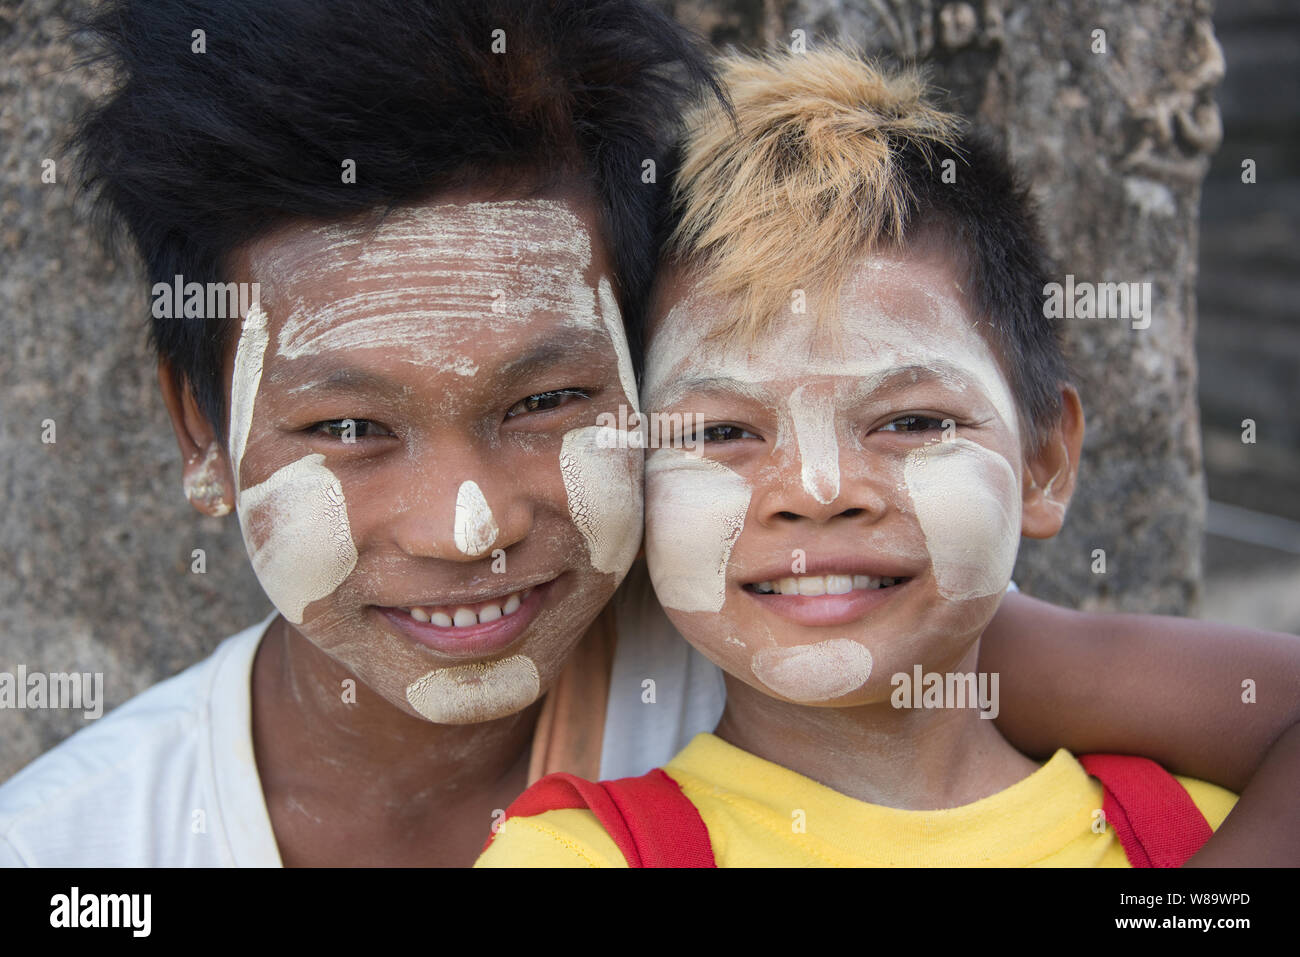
x: 438, y: 265
x: 944, y: 338
x: 317, y: 373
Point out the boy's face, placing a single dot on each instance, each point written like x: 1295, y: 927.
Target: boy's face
x: 828, y: 472
x: 420, y: 484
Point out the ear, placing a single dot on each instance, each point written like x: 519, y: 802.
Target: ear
x: 1050, y: 472
x: 206, y: 475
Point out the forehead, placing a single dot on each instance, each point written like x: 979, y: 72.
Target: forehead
x: 895, y: 309
x: 433, y: 276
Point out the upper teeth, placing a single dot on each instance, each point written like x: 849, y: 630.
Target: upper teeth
x: 823, y: 585
x: 461, y: 616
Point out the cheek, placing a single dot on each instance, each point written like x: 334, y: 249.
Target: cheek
x: 695, y: 510
x: 968, y: 503
x: 296, y: 530
x: 603, y: 487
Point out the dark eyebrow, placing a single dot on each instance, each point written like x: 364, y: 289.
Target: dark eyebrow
x: 351, y: 380
x: 569, y: 345
x: 905, y: 376
x: 901, y: 377
x: 675, y: 391
x: 566, y: 346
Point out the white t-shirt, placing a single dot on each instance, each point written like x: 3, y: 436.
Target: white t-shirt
x: 169, y: 778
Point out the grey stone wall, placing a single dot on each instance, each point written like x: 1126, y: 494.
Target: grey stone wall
x: 96, y: 538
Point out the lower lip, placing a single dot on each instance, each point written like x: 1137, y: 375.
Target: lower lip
x: 822, y: 610
x: 474, y: 641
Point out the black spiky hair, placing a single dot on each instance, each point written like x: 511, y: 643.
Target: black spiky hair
x: 195, y: 154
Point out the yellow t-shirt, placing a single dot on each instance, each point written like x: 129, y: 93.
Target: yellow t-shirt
x: 760, y: 814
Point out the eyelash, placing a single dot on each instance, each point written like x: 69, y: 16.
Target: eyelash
x: 520, y: 407
x: 932, y: 423
x: 361, y: 428
x: 702, y: 435
x: 927, y: 423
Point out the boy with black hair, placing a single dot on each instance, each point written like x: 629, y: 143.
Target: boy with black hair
x: 440, y: 209
x: 851, y: 529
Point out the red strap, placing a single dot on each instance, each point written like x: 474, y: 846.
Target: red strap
x: 653, y: 823
x: 664, y: 825
x: 1157, y: 822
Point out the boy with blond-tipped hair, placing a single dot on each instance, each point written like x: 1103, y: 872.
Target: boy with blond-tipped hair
x: 868, y: 470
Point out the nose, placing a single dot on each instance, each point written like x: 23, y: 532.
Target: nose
x: 804, y: 483
x: 462, y: 508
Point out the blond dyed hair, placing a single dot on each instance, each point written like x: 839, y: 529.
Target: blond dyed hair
x: 804, y: 181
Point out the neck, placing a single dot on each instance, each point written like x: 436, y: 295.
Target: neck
x: 911, y: 758
x: 326, y: 752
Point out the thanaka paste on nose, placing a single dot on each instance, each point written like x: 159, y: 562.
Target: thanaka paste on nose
x: 819, y: 452
x: 475, y: 528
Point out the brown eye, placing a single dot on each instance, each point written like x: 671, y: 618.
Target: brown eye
x: 349, y: 429
x: 913, y: 423
x: 545, y: 401
x: 723, y: 433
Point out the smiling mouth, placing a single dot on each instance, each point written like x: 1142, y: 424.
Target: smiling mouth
x: 469, y: 615
x: 816, y: 585
x: 819, y: 601
x: 469, y: 630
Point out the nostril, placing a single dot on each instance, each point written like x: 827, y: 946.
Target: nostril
x: 790, y: 516
x: 851, y: 512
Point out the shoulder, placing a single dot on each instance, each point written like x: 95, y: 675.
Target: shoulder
x: 570, y: 837
x: 102, y: 796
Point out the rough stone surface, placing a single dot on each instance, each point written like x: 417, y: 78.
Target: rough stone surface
x: 96, y: 538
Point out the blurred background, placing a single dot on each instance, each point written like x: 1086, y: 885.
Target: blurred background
x: 1133, y: 149
x: 1248, y: 336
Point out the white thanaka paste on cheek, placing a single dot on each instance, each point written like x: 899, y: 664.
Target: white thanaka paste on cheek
x: 298, y: 519
x: 475, y: 528
x: 247, y: 377
x: 819, y: 449
x: 695, y: 511
x: 819, y: 672
x: 469, y: 694
x: 603, y: 485
x: 968, y: 503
